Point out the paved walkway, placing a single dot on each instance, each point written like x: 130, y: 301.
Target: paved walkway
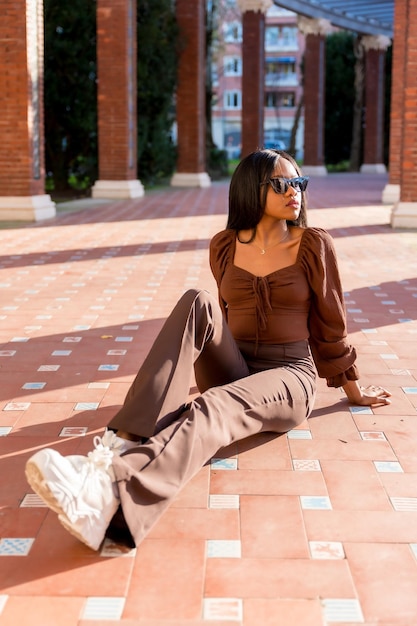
x: 312, y: 528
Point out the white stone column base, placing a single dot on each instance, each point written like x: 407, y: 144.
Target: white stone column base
x: 391, y: 194
x: 117, y: 189
x: 27, y: 208
x: 197, y: 179
x: 314, y: 170
x: 373, y: 168
x: 404, y: 215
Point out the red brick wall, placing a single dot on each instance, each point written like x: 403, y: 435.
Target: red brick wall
x: 314, y: 105
x: 116, y: 60
x: 407, y: 30
x: 21, y: 91
x: 397, y: 92
x: 191, y: 120
x: 253, y: 24
x: 374, y: 106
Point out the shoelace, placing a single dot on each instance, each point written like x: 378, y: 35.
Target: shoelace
x: 104, y: 450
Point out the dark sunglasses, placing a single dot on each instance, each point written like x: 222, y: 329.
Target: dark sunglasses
x: 281, y: 185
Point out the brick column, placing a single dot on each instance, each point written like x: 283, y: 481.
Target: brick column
x: 314, y: 93
x: 253, y: 74
x: 374, y: 46
x: 391, y: 192
x: 404, y: 214
x: 22, y: 170
x: 117, y: 127
x: 191, y: 117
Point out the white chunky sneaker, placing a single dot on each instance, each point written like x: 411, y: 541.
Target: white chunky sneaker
x: 81, y: 489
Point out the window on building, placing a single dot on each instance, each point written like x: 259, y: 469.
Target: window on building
x: 275, y: 99
x: 233, y: 32
x: 232, y: 66
x: 281, y: 38
x: 232, y: 99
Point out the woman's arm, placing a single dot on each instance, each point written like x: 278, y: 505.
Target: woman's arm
x: 366, y: 396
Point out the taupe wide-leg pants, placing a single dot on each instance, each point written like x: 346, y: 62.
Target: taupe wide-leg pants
x: 236, y: 400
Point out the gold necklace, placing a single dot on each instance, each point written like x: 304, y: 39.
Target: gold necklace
x: 264, y: 250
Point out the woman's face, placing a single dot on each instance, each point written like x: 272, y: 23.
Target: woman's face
x: 287, y: 205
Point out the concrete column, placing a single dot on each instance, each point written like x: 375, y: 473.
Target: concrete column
x: 404, y: 214
x: 374, y: 46
x: 117, y: 127
x: 22, y: 169
x: 314, y: 93
x: 191, y: 118
x: 253, y: 76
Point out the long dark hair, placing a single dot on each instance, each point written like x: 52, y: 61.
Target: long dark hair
x: 247, y: 197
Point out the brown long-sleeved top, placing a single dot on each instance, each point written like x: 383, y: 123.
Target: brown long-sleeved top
x: 301, y: 301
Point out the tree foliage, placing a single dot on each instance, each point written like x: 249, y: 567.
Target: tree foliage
x: 340, y: 96
x: 158, y: 41
x: 70, y: 91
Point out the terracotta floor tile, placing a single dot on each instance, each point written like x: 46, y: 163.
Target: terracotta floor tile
x: 167, y: 580
x: 272, y: 527
x: 261, y: 578
x: 47, y: 610
x: 275, y: 612
x: 374, y: 567
x: 354, y: 485
x: 267, y: 482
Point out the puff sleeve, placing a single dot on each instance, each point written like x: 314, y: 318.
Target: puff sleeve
x: 334, y: 356
x: 219, y: 255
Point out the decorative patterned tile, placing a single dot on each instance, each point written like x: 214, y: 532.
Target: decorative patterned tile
x: 378, y: 343
x: 7, y: 352
x: 73, y: 431
x: 399, y: 372
x: 72, y: 339
x: 14, y: 546
x: 342, y: 610
x: 361, y: 410
x: 306, y: 465
x: 299, y: 434
x: 130, y: 327
x: 19, y: 339
x: 227, y: 609
x: 404, y: 504
x: 372, y: 435
x: 315, y: 502
x: 388, y: 357
x: 17, y: 406
x: 126, y: 339
x: 33, y: 385
x: 410, y: 390
x: 217, y: 548
x: 102, y: 608
x: 61, y: 352
x: 98, y: 385
x: 360, y: 320
x: 221, y: 501
x: 48, y: 368
x: 369, y: 331
x: 5, y: 430
x: 116, y: 352
x: 32, y: 500
x: 108, y: 368
x: 388, y: 467
x: 86, y: 406
x: 223, y: 464
x: 326, y: 550
x: 405, y: 320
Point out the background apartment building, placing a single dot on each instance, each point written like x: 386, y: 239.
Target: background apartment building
x: 284, y: 47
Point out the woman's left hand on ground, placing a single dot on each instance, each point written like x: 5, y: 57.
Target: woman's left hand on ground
x: 373, y: 394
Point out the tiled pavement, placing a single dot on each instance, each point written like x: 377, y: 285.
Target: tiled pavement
x: 312, y: 528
